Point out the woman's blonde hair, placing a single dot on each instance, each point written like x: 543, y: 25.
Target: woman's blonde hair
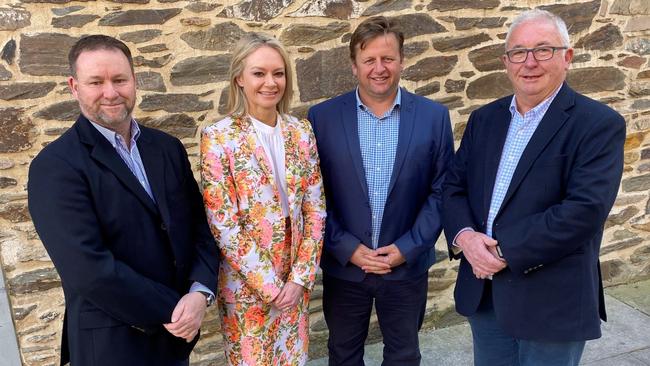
x: 236, y: 98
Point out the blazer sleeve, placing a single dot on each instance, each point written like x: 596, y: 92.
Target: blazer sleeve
x: 339, y: 242
x: 428, y: 223
x: 303, y: 270
x: 205, y: 267
x: 59, y: 195
x: 456, y: 207
x: 591, y: 189
x: 236, y: 244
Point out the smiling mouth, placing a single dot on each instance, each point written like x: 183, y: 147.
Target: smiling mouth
x: 531, y: 77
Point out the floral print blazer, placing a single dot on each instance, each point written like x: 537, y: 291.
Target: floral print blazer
x: 243, y: 207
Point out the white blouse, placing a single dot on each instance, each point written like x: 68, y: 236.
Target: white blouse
x: 273, y: 142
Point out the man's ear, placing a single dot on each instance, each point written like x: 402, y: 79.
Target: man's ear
x: 72, y: 84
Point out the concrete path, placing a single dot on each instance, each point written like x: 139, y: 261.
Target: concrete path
x: 625, y: 341
x: 8, y: 343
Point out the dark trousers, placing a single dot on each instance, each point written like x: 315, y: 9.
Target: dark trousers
x: 494, y: 347
x: 400, y: 309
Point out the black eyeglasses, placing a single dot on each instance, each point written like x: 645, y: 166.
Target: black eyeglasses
x: 519, y: 55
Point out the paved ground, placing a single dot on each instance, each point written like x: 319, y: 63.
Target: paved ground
x: 8, y: 343
x: 625, y: 341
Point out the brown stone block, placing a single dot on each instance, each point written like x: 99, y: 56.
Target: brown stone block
x: 605, y: 38
x: 196, y: 21
x: 630, y: 7
x: 490, y: 86
x: 638, y: 24
x: 156, y: 62
x: 308, y: 34
x: 149, y: 80
x: 34, y: 281
x: 18, y: 91
x: 45, y: 54
x: 634, y: 140
x: 140, y: 36
x: 158, y: 47
x: 458, y: 43
x: 459, y: 130
x: 200, y: 70
x: 221, y: 37
x: 7, y: 182
x: 430, y: 67
x: 578, y: 16
x: 634, y: 62
x: 487, y: 58
x: 383, y: 6
x: 325, y: 74
x: 596, y: 79
x: 469, y: 23
x: 16, y: 132
x: 337, y: 9
x: 174, y: 103
x: 621, y: 217
x: 639, y: 89
x: 9, y: 51
x: 430, y: 88
x: 138, y: 16
x: 451, y: 102
x: 448, y: 5
x: 584, y: 57
x: 179, y: 125
x: 611, y: 269
x: 62, y: 111
x: 454, y: 86
x: 415, y: 49
x: 636, y: 184
x: 21, y: 312
x: 12, y: 19
x: 256, y: 10
x: 200, y: 7
x: 418, y: 24
x: 73, y: 21
x: 67, y: 10
x: 15, y: 212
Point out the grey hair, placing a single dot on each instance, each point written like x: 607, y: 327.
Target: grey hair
x: 539, y: 14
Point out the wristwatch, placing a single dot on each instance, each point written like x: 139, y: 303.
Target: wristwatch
x: 209, y: 298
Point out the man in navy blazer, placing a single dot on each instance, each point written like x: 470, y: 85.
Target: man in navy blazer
x: 383, y: 153
x: 525, y: 201
x: 121, y: 216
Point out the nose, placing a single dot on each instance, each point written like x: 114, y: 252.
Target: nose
x: 269, y: 80
x: 110, y: 91
x: 379, y: 66
x: 530, y: 59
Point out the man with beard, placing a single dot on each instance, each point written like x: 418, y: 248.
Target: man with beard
x: 120, y: 214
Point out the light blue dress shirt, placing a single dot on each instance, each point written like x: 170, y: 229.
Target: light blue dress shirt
x: 520, y: 131
x: 378, y: 140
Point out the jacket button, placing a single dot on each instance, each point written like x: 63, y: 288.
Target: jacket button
x: 163, y: 227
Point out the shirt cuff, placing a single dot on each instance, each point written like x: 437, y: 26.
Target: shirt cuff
x: 199, y: 287
x: 455, y: 248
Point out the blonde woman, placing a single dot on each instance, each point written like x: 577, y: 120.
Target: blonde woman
x: 263, y: 194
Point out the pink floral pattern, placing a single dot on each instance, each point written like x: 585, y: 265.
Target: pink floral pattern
x: 244, y: 212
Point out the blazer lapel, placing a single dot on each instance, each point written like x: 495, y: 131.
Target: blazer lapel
x: 351, y: 128
x: 154, y: 166
x: 498, y: 130
x: 105, y: 154
x: 406, y: 126
x: 291, y: 159
x: 554, y: 118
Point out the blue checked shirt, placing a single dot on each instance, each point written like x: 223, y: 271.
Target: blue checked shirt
x: 378, y: 139
x: 132, y: 159
x: 519, y: 133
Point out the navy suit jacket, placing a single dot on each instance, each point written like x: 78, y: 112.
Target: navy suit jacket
x: 412, y: 219
x: 550, y: 224
x: 124, y: 261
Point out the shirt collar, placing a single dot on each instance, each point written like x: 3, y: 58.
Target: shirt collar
x: 113, y: 137
x: 396, y: 103
x: 541, y: 107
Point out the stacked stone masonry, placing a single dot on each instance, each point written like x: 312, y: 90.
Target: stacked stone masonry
x: 182, y: 49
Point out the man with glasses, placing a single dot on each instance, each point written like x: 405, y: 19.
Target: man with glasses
x: 525, y: 201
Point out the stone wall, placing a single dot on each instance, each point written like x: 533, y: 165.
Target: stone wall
x: 181, y: 51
